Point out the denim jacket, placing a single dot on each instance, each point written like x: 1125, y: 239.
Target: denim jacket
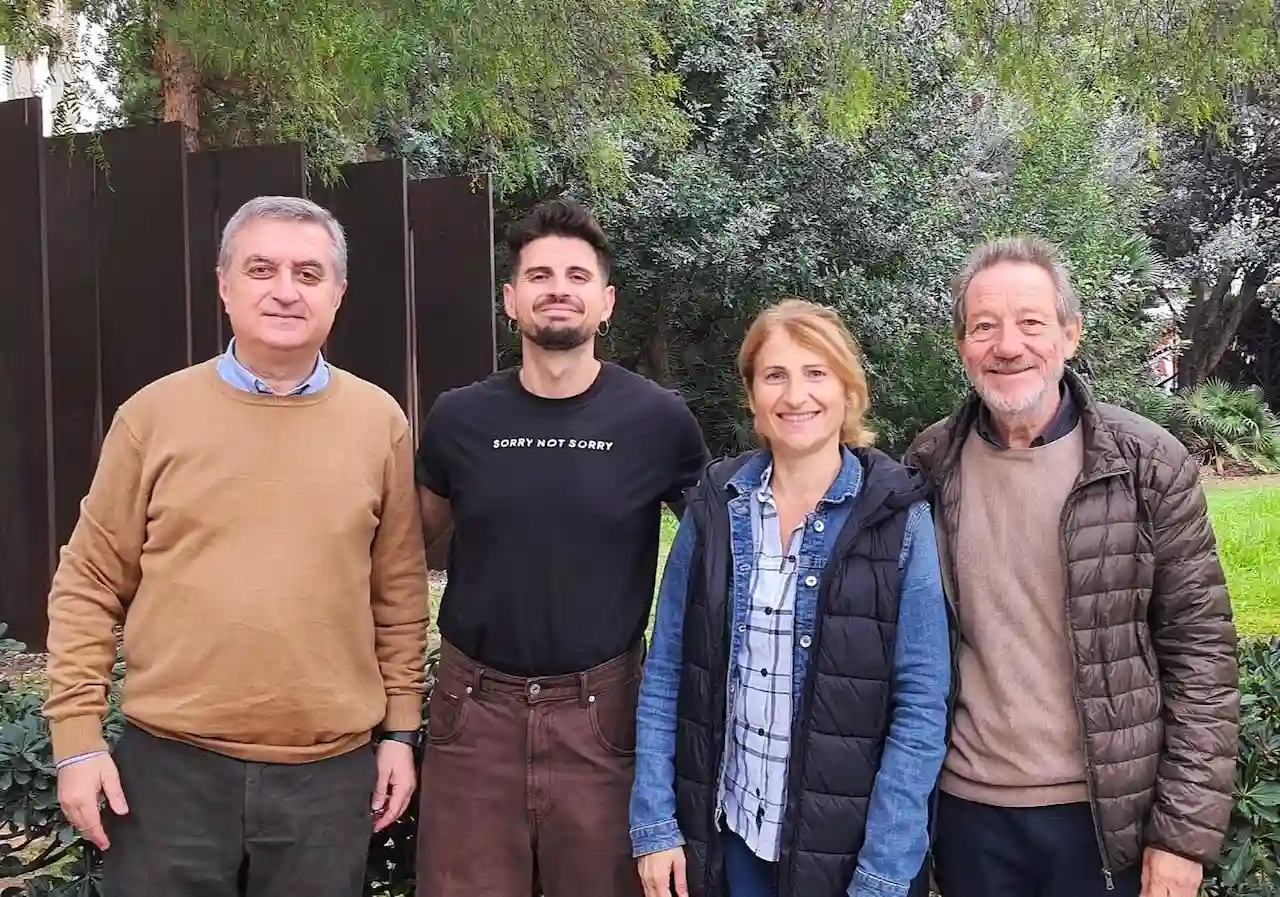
x: 898, y: 813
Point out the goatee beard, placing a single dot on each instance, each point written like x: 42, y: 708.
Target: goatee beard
x: 556, y: 339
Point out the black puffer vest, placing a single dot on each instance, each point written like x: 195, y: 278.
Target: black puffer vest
x: 842, y: 719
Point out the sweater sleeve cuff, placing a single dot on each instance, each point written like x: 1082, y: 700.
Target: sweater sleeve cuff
x: 76, y: 735
x: 404, y: 713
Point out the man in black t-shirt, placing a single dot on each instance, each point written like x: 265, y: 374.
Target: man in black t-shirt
x: 552, y: 476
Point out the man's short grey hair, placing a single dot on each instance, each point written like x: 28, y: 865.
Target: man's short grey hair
x: 286, y: 208
x: 1033, y: 251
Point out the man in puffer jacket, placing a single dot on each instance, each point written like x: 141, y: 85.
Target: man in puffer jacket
x: 1095, y: 711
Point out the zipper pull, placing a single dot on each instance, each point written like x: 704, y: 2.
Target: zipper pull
x: 1106, y: 874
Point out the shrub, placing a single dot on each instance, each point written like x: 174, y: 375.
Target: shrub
x: 1249, y: 866
x: 1224, y: 426
x: 40, y: 846
x: 1227, y: 425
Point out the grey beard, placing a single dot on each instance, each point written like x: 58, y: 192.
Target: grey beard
x: 1026, y: 404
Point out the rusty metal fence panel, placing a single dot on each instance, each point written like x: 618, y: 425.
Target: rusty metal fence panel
x: 108, y: 245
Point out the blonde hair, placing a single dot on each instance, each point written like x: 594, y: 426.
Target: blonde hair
x: 818, y: 329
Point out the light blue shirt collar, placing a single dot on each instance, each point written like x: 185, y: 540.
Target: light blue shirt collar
x: 232, y: 371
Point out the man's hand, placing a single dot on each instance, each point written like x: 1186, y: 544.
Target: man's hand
x: 79, y: 787
x: 1169, y: 875
x: 396, y: 779
x: 657, y: 871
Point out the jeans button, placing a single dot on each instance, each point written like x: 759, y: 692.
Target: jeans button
x: 534, y: 689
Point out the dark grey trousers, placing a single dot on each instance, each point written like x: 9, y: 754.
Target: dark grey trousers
x: 204, y: 825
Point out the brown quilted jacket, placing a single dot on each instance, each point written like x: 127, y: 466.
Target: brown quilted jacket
x: 1147, y: 608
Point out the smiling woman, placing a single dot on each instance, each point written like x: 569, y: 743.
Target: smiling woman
x: 804, y: 379
x: 835, y: 546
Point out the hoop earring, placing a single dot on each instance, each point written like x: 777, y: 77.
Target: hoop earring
x: 603, y: 327
x: 514, y: 326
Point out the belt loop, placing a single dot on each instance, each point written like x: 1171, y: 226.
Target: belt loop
x: 584, y: 692
x: 477, y: 674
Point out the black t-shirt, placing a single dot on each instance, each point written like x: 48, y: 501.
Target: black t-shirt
x: 556, y: 511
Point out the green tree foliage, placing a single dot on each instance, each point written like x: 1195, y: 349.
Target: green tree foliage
x: 1081, y: 177
x: 1218, y: 221
x: 742, y: 150
x: 1174, y: 60
x: 483, y: 75
x: 764, y: 203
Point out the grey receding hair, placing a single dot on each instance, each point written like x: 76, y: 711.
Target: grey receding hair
x: 1033, y: 251
x: 286, y: 208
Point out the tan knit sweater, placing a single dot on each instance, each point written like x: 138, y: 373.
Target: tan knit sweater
x: 265, y: 556
x: 1016, y: 738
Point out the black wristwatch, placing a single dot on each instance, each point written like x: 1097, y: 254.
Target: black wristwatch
x: 413, y: 738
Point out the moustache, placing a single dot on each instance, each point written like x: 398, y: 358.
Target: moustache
x: 558, y: 300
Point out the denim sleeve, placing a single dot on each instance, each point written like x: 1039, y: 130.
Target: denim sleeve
x: 897, y: 835
x: 653, y: 795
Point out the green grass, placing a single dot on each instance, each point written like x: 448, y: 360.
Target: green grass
x: 1246, y: 520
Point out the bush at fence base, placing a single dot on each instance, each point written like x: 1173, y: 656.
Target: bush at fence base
x: 37, y: 842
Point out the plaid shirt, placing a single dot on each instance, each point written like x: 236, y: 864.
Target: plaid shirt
x: 759, y: 746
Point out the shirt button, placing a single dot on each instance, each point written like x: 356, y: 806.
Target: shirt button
x: 744, y: 568
x: 767, y: 611
x: 805, y: 641
x: 764, y: 672
x: 760, y: 732
x: 811, y: 580
x: 742, y: 627
x: 818, y: 526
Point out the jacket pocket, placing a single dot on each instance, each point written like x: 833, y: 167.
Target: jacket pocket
x: 1146, y: 648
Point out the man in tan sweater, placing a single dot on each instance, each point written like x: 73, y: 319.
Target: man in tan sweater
x: 1094, y: 727
x: 253, y: 526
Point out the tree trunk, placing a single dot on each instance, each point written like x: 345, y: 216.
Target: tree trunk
x: 1213, y: 320
x: 657, y: 348
x: 181, y: 85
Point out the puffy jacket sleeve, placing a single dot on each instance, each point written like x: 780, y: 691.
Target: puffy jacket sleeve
x: 1195, y: 644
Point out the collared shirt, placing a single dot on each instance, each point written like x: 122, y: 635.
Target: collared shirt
x: 239, y: 376
x: 759, y: 743
x: 1064, y: 421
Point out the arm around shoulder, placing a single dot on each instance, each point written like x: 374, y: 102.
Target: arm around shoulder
x: 690, y: 456
x: 431, y: 473
x: 98, y: 572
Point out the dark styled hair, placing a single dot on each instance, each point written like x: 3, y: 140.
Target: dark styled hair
x: 560, y: 218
